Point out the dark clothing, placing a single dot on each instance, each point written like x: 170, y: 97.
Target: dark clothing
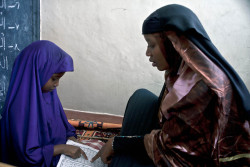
x: 141, y: 106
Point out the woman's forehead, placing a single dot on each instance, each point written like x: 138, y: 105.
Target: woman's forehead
x: 152, y: 37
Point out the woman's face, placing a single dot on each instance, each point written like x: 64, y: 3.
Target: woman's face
x: 156, y: 51
x: 52, y: 83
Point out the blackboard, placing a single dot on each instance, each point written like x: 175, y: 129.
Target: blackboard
x: 19, y: 26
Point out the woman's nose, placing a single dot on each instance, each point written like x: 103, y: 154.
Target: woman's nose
x: 147, y: 52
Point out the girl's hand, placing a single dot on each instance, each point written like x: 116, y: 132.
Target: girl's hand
x: 74, y: 152
x: 72, y: 138
x: 69, y: 150
x: 105, y: 153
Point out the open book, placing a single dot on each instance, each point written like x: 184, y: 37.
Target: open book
x: 66, y: 161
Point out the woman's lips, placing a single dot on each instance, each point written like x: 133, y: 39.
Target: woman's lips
x: 153, y: 63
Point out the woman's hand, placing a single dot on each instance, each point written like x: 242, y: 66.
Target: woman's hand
x: 105, y: 153
x: 69, y: 150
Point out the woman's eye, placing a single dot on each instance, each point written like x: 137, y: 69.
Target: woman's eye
x: 151, y: 46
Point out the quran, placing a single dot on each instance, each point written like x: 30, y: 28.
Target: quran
x: 66, y: 161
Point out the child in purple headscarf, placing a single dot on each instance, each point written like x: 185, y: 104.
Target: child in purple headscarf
x: 34, y: 127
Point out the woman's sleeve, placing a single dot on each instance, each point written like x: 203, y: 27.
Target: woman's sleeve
x: 187, y: 131
x: 128, y: 144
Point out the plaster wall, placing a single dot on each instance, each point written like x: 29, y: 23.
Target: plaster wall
x: 104, y: 38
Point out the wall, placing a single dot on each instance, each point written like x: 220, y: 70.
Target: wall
x: 104, y: 38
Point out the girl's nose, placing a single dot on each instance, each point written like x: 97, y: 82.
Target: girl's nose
x: 56, y: 84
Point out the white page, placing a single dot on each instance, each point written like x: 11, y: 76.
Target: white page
x: 66, y: 161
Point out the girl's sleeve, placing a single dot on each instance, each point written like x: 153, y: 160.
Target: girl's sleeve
x: 70, y: 130
x: 27, y: 141
x: 186, y: 133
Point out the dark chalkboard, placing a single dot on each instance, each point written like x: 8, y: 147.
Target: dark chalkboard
x: 19, y: 26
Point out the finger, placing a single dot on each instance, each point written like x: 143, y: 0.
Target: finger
x: 96, y: 156
x: 75, y: 156
x: 109, y: 161
x: 104, y: 159
x: 84, y: 155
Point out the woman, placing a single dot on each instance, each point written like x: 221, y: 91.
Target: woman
x: 203, y: 109
x: 34, y: 127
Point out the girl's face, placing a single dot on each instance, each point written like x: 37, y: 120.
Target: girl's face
x: 52, y: 83
x: 156, y: 51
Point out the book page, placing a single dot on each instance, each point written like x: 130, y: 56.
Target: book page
x: 66, y: 161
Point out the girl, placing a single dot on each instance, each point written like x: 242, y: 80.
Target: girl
x: 34, y: 127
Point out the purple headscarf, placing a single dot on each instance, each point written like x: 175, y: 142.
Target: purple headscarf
x: 33, y: 121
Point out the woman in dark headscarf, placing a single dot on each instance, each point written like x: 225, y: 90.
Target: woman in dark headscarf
x: 34, y: 127
x: 203, y: 109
